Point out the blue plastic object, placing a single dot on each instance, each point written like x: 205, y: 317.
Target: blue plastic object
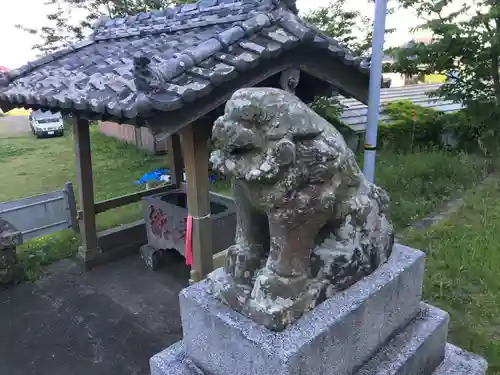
x: 152, y: 176
x: 158, y: 173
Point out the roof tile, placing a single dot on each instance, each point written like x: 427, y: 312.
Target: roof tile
x: 164, y: 59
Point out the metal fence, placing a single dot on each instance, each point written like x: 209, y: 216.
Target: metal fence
x: 42, y: 214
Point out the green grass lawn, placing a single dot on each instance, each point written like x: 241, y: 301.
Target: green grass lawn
x: 420, y: 183
x: 462, y: 272
x: 463, y: 253
x: 417, y: 183
x: 30, y: 166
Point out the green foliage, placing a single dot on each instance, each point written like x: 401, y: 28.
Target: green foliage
x: 329, y: 108
x: 42, y: 251
x: 476, y: 127
x: 465, y: 47
x: 410, y: 126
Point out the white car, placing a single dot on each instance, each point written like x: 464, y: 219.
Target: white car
x: 46, y: 123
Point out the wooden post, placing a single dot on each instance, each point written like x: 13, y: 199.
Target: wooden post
x: 73, y: 211
x: 138, y: 136
x: 195, y: 146
x: 88, y: 231
x: 175, y: 161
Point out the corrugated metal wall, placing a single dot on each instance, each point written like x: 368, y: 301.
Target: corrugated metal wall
x: 140, y: 137
x: 355, y: 113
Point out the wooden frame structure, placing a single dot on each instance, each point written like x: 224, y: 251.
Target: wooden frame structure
x: 193, y: 156
x: 172, y: 71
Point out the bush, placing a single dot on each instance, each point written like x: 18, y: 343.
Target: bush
x: 476, y: 127
x: 329, y: 108
x: 410, y: 126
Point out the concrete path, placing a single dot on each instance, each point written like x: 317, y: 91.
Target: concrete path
x: 108, y: 321
x: 14, y: 125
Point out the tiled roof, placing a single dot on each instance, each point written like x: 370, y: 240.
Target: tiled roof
x: 160, y: 61
x: 355, y: 114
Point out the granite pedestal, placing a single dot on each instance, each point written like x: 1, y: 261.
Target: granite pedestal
x: 379, y: 326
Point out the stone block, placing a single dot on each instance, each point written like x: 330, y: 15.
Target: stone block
x: 418, y: 349
x: 173, y: 361
x: 460, y: 362
x: 336, y: 337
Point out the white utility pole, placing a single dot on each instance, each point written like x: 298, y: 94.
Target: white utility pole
x: 374, y: 93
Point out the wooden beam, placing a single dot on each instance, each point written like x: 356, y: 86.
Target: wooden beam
x: 81, y: 136
x: 344, y: 77
x: 124, y: 200
x: 219, y: 259
x: 195, y: 146
x: 73, y: 211
x: 175, y: 161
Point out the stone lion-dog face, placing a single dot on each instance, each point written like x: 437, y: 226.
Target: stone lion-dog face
x: 256, y: 137
x: 308, y: 222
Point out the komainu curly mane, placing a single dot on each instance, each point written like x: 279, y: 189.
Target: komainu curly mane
x: 309, y: 223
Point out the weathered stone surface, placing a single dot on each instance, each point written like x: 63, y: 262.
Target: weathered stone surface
x: 10, y: 269
x: 309, y: 223
x: 460, y: 362
x: 418, y: 349
x: 9, y: 236
x: 336, y: 337
x: 173, y: 361
x: 376, y: 327
x: 416, y: 355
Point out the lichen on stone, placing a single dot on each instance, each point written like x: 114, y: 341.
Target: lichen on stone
x: 309, y: 224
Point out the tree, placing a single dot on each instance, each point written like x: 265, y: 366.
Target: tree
x: 349, y: 27
x: 71, y: 20
x: 465, y: 47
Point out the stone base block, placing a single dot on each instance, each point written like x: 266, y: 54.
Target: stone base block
x: 418, y: 349
x: 376, y: 327
x: 336, y: 337
x: 460, y: 362
x: 173, y: 361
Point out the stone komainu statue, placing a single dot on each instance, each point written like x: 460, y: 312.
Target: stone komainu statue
x: 309, y: 223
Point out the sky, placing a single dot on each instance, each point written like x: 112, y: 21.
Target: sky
x: 16, y: 44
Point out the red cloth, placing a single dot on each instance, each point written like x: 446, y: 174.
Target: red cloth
x: 189, y: 241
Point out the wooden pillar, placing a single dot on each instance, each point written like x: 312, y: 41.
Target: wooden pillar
x: 138, y: 136
x: 87, y: 222
x: 175, y: 161
x: 195, y: 146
